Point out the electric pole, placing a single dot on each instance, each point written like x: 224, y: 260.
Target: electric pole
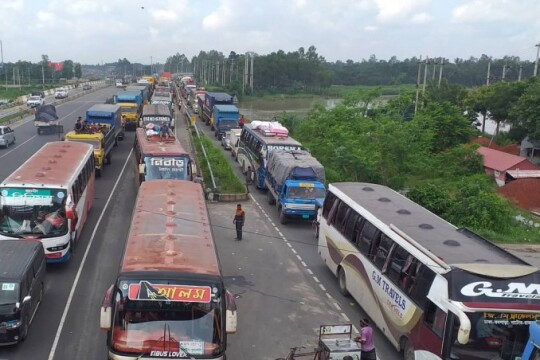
x: 425, y: 77
x: 504, y: 72
x: 520, y: 70
x: 251, y: 75
x: 488, y: 71
x: 536, y: 62
x: 417, y: 85
x: 440, y: 71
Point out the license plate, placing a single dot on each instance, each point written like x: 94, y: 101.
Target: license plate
x: 305, y: 216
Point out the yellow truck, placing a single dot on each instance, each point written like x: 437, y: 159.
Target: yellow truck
x: 102, y: 129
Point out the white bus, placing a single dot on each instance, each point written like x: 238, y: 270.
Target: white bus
x: 435, y: 291
x: 48, y: 198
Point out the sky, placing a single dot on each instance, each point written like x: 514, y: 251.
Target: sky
x: 96, y: 31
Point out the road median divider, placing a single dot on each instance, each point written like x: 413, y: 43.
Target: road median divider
x: 220, y: 180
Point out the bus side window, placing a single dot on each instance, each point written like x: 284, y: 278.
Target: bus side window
x: 341, y: 217
x: 328, y: 203
x: 398, y: 266
x: 435, y: 318
x: 421, y: 281
x: 381, y: 254
x: 333, y: 210
x: 368, y: 239
x: 350, y: 225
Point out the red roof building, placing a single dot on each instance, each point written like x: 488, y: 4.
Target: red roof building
x: 525, y: 193
x: 497, y: 163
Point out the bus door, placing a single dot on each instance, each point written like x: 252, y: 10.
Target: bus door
x: 429, y: 332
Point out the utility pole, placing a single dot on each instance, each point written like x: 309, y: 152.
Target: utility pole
x: 425, y: 77
x: 520, y: 70
x: 440, y: 71
x: 504, y: 72
x: 488, y: 71
x: 245, y: 74
x: 251, y: 74
x: 417, y: 85
x: 536, y: 62
x: 435, y: 62
x: 2, y: 59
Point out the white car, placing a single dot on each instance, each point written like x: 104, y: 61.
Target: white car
x: 34, y: 101
x: 61, y: 93
x: 7, y: 136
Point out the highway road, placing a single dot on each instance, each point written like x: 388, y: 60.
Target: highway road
x: 293, y: 264
x: 283, y: 290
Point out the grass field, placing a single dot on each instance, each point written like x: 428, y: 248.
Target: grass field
x: 12, y: 93
x: 343, y: 90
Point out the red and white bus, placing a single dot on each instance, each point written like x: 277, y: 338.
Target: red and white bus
x: 169, y: 300
x: 161, y: 158
x: 48, y: 198
x: 435, y: 291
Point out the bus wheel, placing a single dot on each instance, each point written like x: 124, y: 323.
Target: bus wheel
x: 408, y: 351
x: 98, y: 172
x: 271, y: 199
x: 24, y: 329
x: 342, y: 281
x: 108, y: 159
x: 282, y: 216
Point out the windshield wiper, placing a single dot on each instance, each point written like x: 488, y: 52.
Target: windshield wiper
x: 167, y: 331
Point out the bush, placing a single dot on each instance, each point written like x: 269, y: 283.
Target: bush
x: 226, y: 179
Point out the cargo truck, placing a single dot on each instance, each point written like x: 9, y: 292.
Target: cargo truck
x: 130, y: 103
x: 102, y: 129
x: 224, y: 118
x: 210, y: 100
x: 46, y: 119
x: 295, y: 183
x: 143, y: 89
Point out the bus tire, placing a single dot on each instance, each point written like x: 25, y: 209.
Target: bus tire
x: 98, y: 172
x: 108, y: 158
x: 282, y: 216
x: 24, y: 330
x: 408, y: 350
x: 342, y: 282
x: 116, y: 141
x: 271, y: 200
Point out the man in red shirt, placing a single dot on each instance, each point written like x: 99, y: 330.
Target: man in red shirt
x: 242, y: 121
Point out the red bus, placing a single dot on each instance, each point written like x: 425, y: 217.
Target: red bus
x: 169, y: 300
x: 48, y: 198
x: 161, y: 158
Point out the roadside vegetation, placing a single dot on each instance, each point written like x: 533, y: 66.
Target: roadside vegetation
x: 428, y: 156
x: 226, y: 180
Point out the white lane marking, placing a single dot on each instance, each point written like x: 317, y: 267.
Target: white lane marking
x: 299, y: 257
x: 304, y: 264
x: 316, y: 279
x: 329, y: 296
x: 77, y: 277
x: 310, y: 272
x: 289, y: 244
x: 337, y: 306
x: 322, y: 287
x: 343, y: 315
x: 294, y: 251
x: 21, y: 144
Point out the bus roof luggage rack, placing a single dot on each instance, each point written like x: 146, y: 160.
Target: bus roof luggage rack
x: 270, y: 128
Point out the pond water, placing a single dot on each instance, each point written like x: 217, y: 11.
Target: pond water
x: 267, y: 108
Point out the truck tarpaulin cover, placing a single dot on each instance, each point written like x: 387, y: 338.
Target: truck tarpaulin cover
x: 46, y: 113
x: 300, y: 164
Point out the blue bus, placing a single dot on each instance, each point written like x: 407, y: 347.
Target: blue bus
x: 256, y: 145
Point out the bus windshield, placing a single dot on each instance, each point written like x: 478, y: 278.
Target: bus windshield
x: 305, y: 193
x: 494, y: 336
x: 167, y: 324
x: 35, y: 212
x: 166, y: 168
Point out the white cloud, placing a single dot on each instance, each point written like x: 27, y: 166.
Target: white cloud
x: 479, y: 11
x: 421, y: 18
x: 370, y: 28
x: 164, y: 15
x: 392, y: 10
x: 300, y: 3
x: 222, y: 17
x: 13, y: 5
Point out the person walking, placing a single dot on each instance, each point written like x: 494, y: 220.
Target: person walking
x: 250, y: 175
x: 239, y: 219
x: 242, y: 121
x: 365, y: 338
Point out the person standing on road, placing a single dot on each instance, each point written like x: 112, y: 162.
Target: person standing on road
x: 239, y: 219
x: 250, y: 175
x: 366, y: 340
x: 242, y: 121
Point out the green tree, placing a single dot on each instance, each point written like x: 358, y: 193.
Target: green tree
x: 78, y: 70
x: 501, y: 98
x: 67, y: 69
x: 446, y: 123
x: 526, y: 112
x: 477, y: 102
